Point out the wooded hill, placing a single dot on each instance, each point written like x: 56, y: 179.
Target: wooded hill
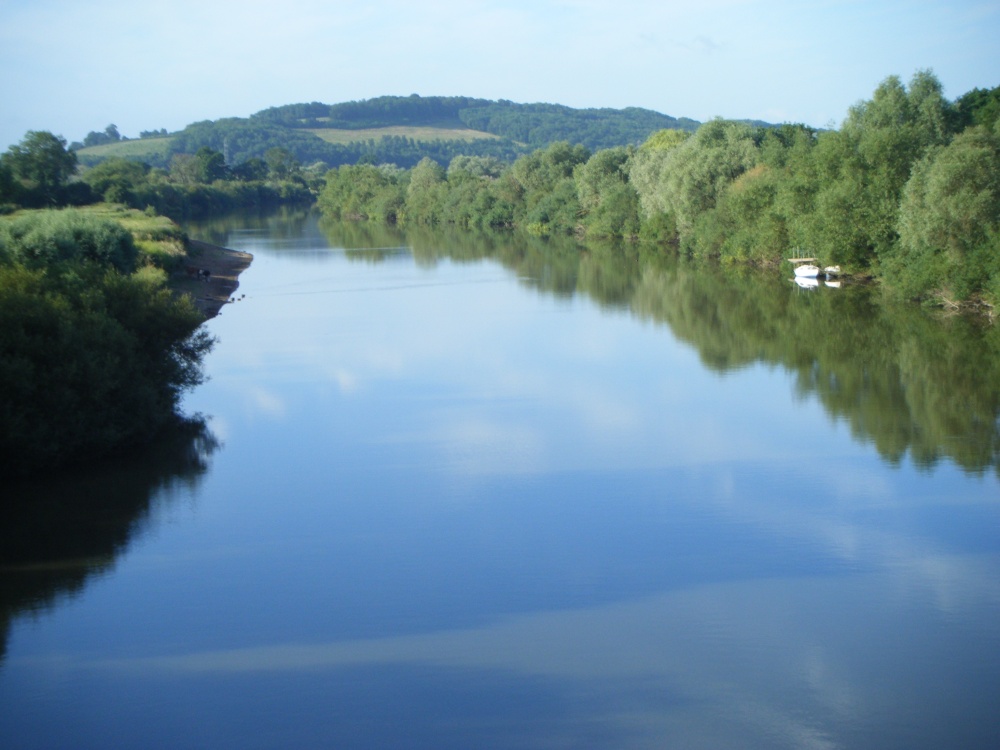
x: 391, y: 129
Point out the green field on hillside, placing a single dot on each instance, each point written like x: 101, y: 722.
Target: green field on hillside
x: 138, y: 148
x: 417, y: 133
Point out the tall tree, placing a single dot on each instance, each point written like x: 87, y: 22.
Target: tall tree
x: 253, y: 169
x: 42, y: 163
x: 950, y: 220
x: 866, y: 164
x: 281, y: 163
x: 110, y: 135
x: 211, y: 165
x: 425, y: 193
x: 8, y: 191
x: 979, y: 107
x: 609, y: 203
x: 646, y: 167
x: 694, y: 174
x: 116, y: 179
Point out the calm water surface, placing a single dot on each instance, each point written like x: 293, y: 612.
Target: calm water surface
x: 463, y: 491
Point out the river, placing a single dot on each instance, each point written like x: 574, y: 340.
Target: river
x: 463, y: 490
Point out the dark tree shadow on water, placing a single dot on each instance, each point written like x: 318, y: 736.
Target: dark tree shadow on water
x: 58, y: 532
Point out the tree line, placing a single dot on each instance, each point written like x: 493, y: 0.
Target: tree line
x: 519, y: 128
x: 906, y: 190
x: 246, y: 139
x: 41, y: 172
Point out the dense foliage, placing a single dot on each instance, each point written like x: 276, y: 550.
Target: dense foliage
x: 538, y: 191
x: 94, y: 349
x: 907, y: 190
x: 540, y: 124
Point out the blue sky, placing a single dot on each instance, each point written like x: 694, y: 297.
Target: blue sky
x: 70, y: 67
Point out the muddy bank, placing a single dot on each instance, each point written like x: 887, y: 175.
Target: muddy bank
x: 212, y: 290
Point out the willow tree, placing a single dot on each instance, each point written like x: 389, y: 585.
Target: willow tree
x: 425, y: 195
x: 363, y: 191
x: 693, y: 175
x: 647, y: 167
x: 949, y: 221
x: 863, y: 168
x: 548, y: 199
x: 609, y: 203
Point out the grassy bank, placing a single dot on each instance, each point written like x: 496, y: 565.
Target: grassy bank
x: 96, y: 347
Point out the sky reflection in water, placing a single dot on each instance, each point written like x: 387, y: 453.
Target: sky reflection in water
x: 451, y: 509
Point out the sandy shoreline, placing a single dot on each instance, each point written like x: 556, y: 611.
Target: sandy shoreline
x: 224, y: 267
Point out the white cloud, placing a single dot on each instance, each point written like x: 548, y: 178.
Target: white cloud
x: 266, y: 402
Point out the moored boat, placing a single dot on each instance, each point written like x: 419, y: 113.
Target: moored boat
x: 807, y: 271
x: 808, y: 268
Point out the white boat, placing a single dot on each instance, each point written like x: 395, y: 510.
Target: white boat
x: 807, y: 271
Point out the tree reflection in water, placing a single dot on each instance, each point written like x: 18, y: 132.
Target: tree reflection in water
x: 906, y: 380
x: 57, y: 533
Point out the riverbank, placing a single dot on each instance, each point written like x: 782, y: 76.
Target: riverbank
x: 224, y: 267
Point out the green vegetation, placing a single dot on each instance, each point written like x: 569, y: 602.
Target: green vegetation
x: 538, y: 125
x: 907, y: 191
x: 419, y: 134
x: 387, y: 130
x: 246, y: 139
x: 41, y: 171
x: 36, y: 171
x: 158, y: 240
x: 532, y: 125
x: 150, y: 150
x: 95, y: 351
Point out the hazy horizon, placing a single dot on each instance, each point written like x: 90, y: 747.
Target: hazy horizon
x: 71, y: 68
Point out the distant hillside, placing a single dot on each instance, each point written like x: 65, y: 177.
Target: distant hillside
x: 399, y: 130
x: 535, y: 125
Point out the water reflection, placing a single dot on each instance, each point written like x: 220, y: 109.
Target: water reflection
x: 907, y: 381
x: 286, y: 223
x: 58, y: 533
x: 464, y: 507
